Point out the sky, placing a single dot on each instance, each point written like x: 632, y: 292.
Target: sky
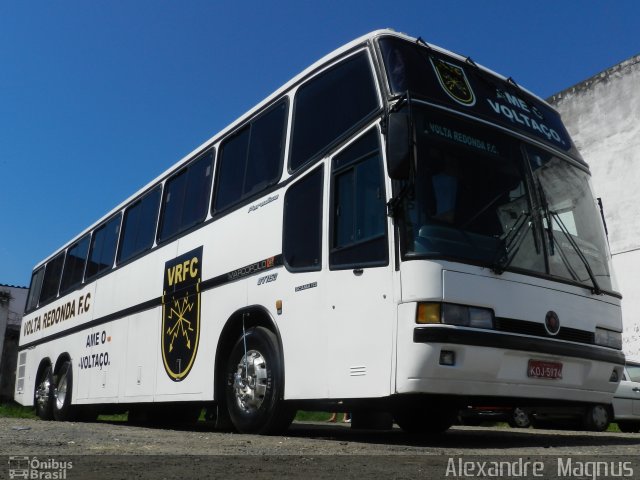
x: 97, y: 98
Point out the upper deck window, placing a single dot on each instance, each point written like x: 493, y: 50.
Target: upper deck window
x: 34, y: 289
x: 139, y: 225
x: 51, y: 280
x: 103, y: 247
x: 186, y: 197
x: 329, y: 105
x: 251, y: 159
x: 74, y: 264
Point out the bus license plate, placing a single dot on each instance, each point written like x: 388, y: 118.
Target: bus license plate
x: 543, y: 369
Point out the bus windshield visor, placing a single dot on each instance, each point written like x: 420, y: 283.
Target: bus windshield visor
x: 478, y: 196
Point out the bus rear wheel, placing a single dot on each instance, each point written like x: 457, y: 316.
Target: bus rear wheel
x: 43, y: 397
x: 255, y: 385
x: 62, y: 408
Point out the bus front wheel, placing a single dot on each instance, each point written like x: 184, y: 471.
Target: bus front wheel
x: 255, y: 384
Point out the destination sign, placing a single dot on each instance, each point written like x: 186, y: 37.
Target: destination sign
x: 444, y: 80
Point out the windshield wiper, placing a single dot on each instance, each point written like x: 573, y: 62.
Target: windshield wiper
x: 596, y: 287
x: 511, y: 243
x: 549, y: 216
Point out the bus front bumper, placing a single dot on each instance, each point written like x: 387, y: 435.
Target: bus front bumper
x: 475, y: 363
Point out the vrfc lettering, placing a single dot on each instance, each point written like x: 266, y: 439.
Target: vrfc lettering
x: 178, y: 273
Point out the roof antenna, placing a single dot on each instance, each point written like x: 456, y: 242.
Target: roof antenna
x: 511, y: 81
x: 420, y: 41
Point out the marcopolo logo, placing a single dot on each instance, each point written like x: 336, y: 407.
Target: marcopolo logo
x: 35, y: 468
x: 181, y: 313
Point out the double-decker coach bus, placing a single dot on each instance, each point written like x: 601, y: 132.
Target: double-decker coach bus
x: 397, y: 229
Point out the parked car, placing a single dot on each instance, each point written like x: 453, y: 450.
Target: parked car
x: 594, y: 418
x: 626, y: 402
x: 515, y: 417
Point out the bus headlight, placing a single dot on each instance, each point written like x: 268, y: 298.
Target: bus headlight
x: 451, y: 314
x: 608, y: 338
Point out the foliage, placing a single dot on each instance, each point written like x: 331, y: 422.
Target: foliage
x: 304, y: 416
x: 13, y: 410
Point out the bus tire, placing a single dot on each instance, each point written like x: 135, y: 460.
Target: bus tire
x: 43, y: 395
x: 62, y: 408
x: 254, y: 388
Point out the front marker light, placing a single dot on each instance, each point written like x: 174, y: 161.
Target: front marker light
x: 608, y: 338
x: 428, y: 313
x: 452, y: 314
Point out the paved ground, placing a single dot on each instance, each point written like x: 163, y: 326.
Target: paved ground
x: 309, y: 450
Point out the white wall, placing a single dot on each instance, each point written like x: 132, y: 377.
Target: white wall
x: 11, y: 313
x: 602, y: 115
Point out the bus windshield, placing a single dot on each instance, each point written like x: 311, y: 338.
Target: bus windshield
x: 483, y: 197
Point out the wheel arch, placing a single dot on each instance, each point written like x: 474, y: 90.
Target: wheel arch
x: 63, y: 357
x: 45, y: 362
x: 254, y: 316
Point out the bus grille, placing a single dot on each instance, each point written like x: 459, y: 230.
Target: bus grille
x: 537, y: 330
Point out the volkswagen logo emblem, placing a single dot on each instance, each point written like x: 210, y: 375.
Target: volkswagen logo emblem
x: 552, y: 323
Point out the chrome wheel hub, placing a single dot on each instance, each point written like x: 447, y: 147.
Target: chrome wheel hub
x: 250, y: 381
x: 42, y: 393
x: 60, y: 393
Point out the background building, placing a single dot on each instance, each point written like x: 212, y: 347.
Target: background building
x: 12, y: 302
x: 603, y: 116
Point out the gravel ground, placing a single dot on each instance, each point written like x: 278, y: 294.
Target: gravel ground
x: 309, y: 450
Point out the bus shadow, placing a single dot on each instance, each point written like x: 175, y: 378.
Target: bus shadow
x: 477, y: 438
x: 457, y: 437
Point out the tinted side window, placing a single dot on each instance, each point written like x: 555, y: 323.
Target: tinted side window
x: 359, y: 214
x: 329, y: 105
x: 51, y: 280
x: 302, y: 243
x: 265, y: 150
x: 34, y: 289
x: 233, y: 155
x: 251, y: 160
x: 74, y: 264
x: 186, y: 197
x: 139, y: 225
x: 103, y: 247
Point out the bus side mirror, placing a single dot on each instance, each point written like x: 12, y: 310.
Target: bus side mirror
x: 399, y: 140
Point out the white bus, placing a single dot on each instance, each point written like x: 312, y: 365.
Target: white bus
x: 397, y: 229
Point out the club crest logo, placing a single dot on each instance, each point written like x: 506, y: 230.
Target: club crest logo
x: 181, y: 313
x: 454, y: 82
